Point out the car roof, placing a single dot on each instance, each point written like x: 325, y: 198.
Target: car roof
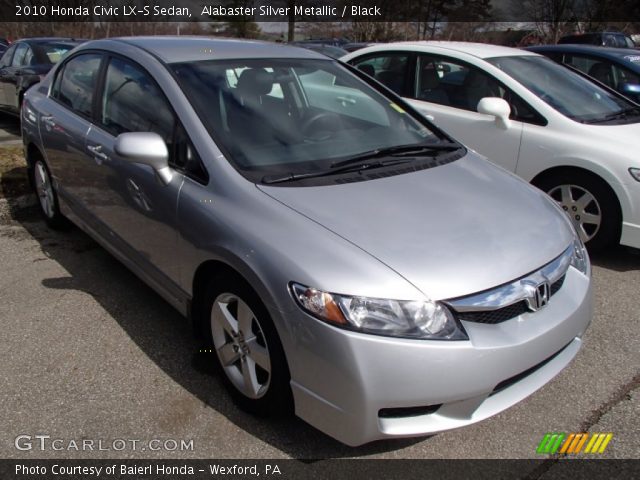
x: 606, y: 52
x: 39, y: 40
x: 173, y: 49
x: 480, y: 50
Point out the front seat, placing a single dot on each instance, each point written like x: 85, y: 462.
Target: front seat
x: 430, y: 89
x: 477, y: 86
x: 246, y: 116
x: 368, y: 69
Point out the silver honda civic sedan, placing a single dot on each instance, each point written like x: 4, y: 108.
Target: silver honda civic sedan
x: 339, y: 255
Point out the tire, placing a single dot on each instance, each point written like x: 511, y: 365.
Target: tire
x: 590, y: 204
x: 46, y: 195
x: 244, y: 346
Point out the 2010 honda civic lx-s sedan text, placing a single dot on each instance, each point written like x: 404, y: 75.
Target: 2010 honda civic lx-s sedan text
x: 339, y: 253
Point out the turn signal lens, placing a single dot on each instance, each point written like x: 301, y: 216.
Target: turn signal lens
x: 320, y: 304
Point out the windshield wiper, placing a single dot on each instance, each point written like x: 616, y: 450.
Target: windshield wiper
x: 333, y: 170
x: 398, y: 151
x: 627, y: 112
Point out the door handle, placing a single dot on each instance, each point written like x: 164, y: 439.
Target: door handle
x: 345, y: 100
x: 98, y: 155
x: 48, y: 121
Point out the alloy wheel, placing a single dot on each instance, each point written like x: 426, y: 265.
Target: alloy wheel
x: 581, y: 206
x: 240, y: 344
x: 44, y: 189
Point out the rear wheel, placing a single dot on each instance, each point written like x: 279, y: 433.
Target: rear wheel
x: 245, y: 347
x: 590, y: 204
x: 47, y: 197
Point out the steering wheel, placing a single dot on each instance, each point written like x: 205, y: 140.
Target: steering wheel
x: 321, y: 126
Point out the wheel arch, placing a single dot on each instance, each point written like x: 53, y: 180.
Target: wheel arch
x: 240, y: 271
x: 569, y: 169
x: 32, y: 154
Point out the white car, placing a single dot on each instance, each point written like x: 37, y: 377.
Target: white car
x: 576, y: 141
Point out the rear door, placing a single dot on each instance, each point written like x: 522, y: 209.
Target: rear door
x: 392, y: 69
x: 65, y: 119
x: 5, y: 70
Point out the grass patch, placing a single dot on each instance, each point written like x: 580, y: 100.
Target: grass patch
x: 13, y: 172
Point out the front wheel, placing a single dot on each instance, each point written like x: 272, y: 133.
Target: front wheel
x: 590, y: 205
x: 246, y: 348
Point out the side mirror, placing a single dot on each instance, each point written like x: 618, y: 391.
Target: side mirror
x: 147, y: 148
x: 498, y: 108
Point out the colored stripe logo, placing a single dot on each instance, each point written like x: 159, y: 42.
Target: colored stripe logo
x: 574, y: 443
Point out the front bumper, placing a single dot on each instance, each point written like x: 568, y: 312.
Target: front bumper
x: 341, y: 380
x: 630, y: 235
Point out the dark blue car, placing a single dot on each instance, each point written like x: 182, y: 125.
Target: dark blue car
x: 618, y: 68
x: 25, y: 63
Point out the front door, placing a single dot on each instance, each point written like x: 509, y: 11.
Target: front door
x: 138, y: 211
x: 448, y: 92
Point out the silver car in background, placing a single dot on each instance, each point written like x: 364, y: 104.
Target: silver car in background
x: 339, y: 254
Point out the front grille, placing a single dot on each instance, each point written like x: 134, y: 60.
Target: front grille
x: 555, y: 286
x: 505, y: 313
x: 495, y: 316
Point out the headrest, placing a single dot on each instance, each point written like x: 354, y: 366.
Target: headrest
x: 255, y: 81
x: 475, y: 79
x: 368, y: 69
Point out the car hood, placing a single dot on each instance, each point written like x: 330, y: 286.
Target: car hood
x: 451, y: 230
x: 615, y: 135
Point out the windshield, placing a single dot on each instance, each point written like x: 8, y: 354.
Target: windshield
x: 275, y: 116
x: 564, y: 90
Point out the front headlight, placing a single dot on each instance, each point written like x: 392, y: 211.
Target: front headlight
x: 409, y: 319
x: 580, y: 257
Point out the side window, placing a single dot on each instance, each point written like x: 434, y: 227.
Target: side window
x: 458, y: 85
x: 594, y: 67
x: 454, y: 84
x: 28, y: 56
x: 75, y: 83
x: 620, y: 41
x: 132, y: 102
x: 390, y: 69
x: 622, y: 76
x: 629, y: 42
x: 5, y: 61
x: 19, y: 56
